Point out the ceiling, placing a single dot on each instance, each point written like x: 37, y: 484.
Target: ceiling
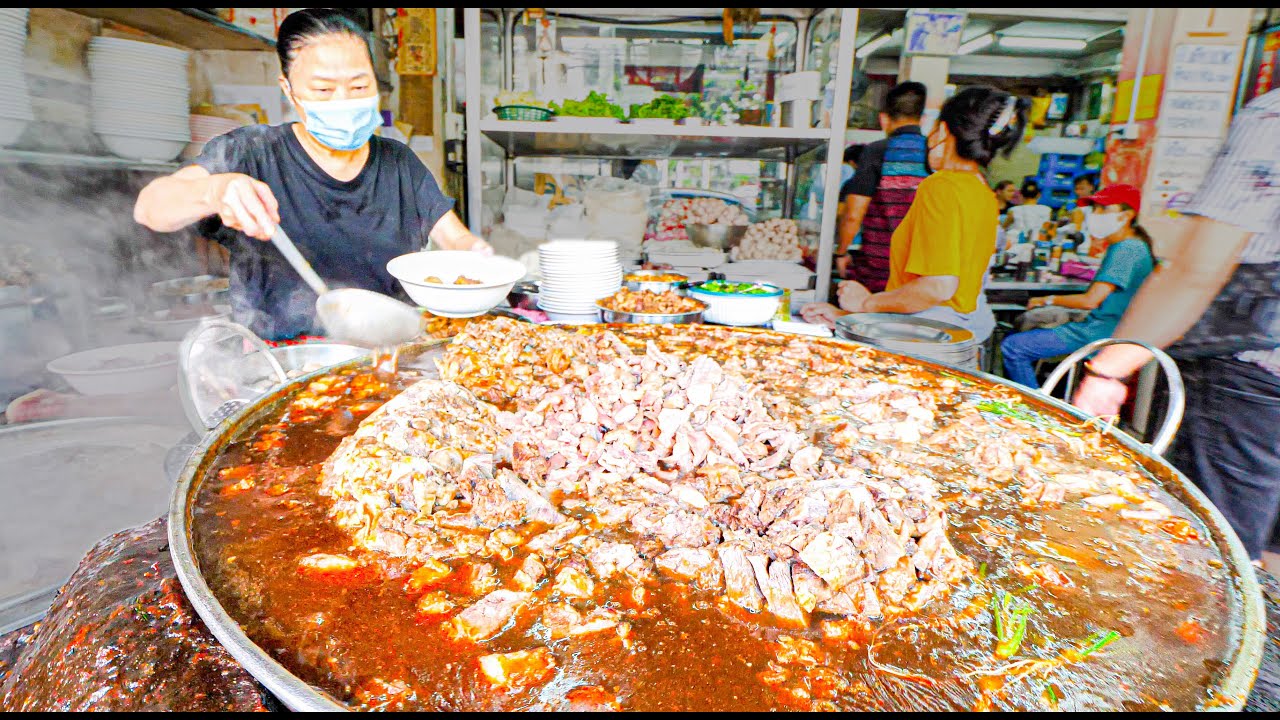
x: 1101, y: 33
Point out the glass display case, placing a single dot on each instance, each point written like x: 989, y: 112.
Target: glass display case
x: 732, y: 142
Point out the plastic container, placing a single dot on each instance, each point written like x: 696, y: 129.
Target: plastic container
x: 527, y: 113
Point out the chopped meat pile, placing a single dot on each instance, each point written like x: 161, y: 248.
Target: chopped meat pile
x: 643, y: 301
x: 611, y: 470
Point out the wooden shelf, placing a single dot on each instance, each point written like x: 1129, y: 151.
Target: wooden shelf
x: 105, y: 162
x: 590, y: 137
x: 189, y: 27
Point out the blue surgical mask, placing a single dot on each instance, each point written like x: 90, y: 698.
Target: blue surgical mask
x: 342, y: 124
x: 846, y: 174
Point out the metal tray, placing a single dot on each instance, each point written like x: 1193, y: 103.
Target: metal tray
x: 67, y: 484
x: 1248, y: 613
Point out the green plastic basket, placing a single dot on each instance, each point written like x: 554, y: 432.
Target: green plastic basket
x: 523, y: 112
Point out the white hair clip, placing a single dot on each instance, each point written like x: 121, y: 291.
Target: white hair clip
x: 1005, y: 117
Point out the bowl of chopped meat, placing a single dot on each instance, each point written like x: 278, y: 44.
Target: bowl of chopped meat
x: 456, y: 284
x: 650, y: 308
x: 656, y: 281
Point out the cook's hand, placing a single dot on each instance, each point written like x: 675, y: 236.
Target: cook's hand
x: 843, y: 263
x: 1100, y: 396
x: 820, y: 314
x: 1034, y: 303
x: 480, y: 246
x: 245, y: 204
x: 851, y: 295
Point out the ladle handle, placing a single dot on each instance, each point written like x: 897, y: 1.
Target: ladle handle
x: 299, y: 263
x: 1177, y: 392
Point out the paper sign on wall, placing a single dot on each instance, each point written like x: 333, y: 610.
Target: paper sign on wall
x: 1202, y: 68
x: 1179, y: 165
x: 1194, y: 114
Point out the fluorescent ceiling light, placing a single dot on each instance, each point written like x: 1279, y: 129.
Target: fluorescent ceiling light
x: 977, y: 44
x: 1041, y: 43
x: 873, y: 45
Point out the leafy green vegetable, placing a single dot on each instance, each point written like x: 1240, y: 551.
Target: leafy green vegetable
x: 1010, y: 614
x: 982, y: 571
x: 1099, y: 641
x: 736, y: 288
x: 664, y: 106
x: 595, y: 105
x: 1018, y: 411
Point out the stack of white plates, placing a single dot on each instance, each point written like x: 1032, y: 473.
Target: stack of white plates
x: 15, y: 97
x: 206, y: 127
x: 576, y: 274
x: 141, y: 98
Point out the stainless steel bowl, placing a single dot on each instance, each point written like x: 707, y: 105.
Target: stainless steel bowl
x: 655, y: 286
x: 198, y: 290
x: 720, y: 237
x: 617, y: 316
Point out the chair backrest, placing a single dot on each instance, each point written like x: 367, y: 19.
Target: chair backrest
x: 1177, y: 392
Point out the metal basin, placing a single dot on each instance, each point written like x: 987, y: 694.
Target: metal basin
x: 1247, y: 623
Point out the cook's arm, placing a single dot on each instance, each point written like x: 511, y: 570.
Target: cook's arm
x: 170, y: 203
x: 451, y: 234
x: 920, y: 294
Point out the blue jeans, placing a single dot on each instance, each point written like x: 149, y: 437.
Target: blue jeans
x: 1022, y: 350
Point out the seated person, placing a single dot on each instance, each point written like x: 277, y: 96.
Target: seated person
x: 1126, y: 264
x: 1030, y: 216
x: 940, y: 252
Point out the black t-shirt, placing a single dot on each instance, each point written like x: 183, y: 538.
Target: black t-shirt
x: 348, y: 231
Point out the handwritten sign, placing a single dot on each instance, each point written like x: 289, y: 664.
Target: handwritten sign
x: 1194, y: 114
x: 1179, y: 165
x: 1199, y: 68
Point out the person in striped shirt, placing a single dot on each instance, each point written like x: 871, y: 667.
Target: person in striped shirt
x: 1229, y: 442
x: 883, y: 187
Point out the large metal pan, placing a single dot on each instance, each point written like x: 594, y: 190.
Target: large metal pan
x: 1248, y: 613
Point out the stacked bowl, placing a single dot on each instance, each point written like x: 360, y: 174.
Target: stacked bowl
x: 15, y: 97
x: 576, y: 274
x: 140, y: 104
x: 206, y: 127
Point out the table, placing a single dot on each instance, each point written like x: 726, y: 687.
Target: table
x: 1063, y: 286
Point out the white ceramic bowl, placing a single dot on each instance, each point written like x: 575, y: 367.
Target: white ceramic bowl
x: 737, y: 309
x: 137, y: 148
x: 496, y: 274
x: 142, y: 367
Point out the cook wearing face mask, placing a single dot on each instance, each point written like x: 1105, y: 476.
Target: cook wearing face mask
x: 350, y: 200
x: 939, y: 253
x: 1127, y: 262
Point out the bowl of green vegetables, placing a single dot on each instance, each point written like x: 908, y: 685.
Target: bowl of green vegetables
x: 595, y: 105
x: 664, y: 110
x: 740, y: 304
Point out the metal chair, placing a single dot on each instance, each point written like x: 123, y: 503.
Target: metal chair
x: 1177, y: 391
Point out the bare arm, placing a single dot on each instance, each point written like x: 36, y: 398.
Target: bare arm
x: 855, y: 209
x: 451, y: 234
x: 1089, y: 300
x: 1177, y: 294
x: 170, y: 203
x: 920, y: 294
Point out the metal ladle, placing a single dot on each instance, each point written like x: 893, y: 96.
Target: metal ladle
x: 351, y: 315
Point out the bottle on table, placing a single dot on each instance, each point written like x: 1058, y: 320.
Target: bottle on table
x: 1040, y: 257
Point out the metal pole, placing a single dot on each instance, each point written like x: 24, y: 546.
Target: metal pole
x: 471, y: 66
x: 835, y: 148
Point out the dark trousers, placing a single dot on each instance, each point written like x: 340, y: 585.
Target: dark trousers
x: 1228, y: 444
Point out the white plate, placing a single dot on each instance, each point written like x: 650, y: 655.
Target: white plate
x: 133, y: 47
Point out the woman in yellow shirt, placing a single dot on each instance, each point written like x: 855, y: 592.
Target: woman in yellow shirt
x: 940, y: 252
